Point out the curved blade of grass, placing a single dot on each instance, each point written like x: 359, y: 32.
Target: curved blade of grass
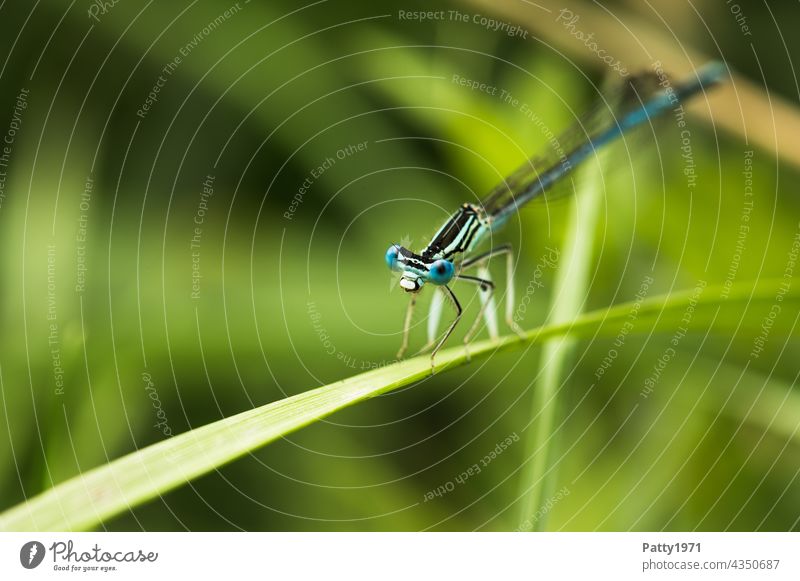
x: 538, y: 476
x: 93, y: 497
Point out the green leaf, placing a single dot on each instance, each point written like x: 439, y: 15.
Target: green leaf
x: 97, y: 495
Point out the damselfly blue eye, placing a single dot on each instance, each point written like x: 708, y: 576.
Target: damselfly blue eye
x: 441, y: 272
x: 391, y: 257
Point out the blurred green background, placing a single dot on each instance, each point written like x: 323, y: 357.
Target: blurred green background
x: 200, y: 303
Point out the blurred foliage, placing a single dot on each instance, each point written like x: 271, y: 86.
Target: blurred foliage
x: 259, y: 102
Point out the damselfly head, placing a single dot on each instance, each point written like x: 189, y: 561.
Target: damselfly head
x: 417, y: 269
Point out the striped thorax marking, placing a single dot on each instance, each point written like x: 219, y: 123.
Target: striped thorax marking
x: 459, y: 234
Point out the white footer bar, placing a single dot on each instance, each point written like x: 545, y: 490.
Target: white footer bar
x: 401, y: 556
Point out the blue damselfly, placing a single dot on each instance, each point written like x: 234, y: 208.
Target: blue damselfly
x: 451, y: 252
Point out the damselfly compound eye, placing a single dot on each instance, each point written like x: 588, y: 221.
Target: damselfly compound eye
x: 391, y: 257
x: 441, y: 272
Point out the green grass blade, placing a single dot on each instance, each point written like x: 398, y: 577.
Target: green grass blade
x: 539, y: 474
x: 93, y: 497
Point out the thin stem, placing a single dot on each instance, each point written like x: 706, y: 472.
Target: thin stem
x: 540, y: 472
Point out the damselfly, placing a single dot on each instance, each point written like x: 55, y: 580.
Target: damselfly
x: 450, y: 255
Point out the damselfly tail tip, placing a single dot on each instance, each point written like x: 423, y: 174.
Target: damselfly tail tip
x: 712, y: 72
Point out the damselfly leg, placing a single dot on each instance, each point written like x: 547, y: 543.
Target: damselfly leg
x: 407, y: 326
x: 481, y: 260
x: 486, y: 288
x: 435, y: 312
x: 448, y: 294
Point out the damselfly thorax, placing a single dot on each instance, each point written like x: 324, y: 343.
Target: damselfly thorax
x: 440, y: 259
